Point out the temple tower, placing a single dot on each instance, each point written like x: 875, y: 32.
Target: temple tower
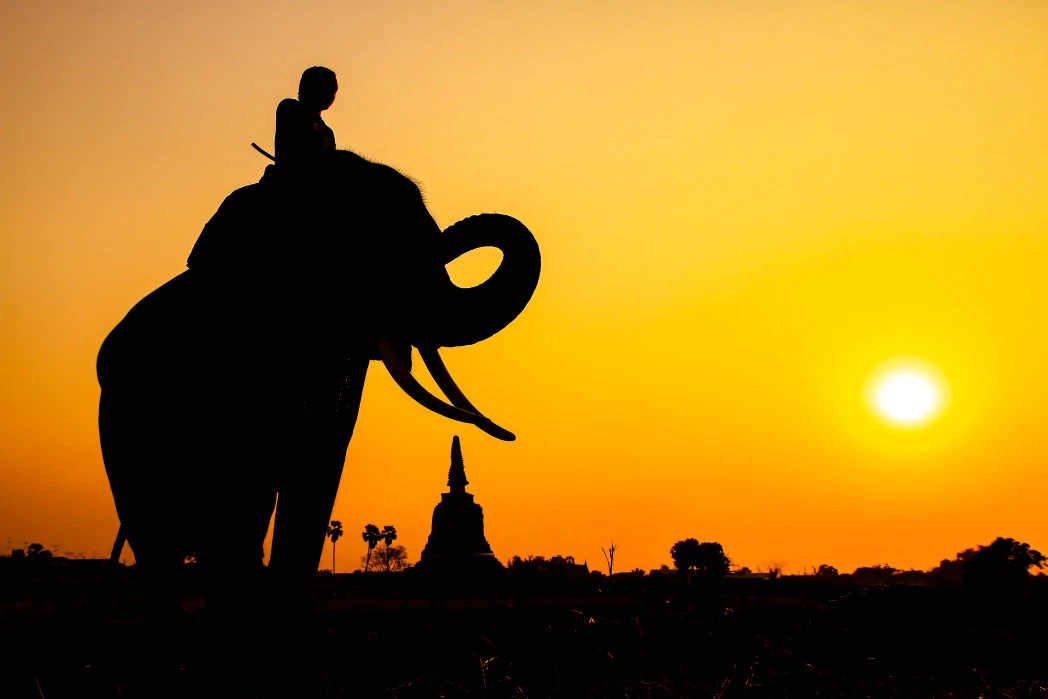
x: 457, y: 545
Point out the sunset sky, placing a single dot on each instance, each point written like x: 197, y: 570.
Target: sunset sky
x: 744, y: 210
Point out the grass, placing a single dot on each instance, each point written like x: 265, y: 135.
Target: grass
x: 398, y: 637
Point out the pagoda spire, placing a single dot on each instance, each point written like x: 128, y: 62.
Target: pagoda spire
x: 457, y: 473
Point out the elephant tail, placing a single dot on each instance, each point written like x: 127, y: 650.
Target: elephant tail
x: 118, y: 546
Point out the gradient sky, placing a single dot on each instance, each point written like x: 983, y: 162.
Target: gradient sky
x: 743, y: 209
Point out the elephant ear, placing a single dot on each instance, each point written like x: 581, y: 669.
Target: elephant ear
x: 467, y: 316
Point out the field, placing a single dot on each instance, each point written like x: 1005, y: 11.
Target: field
x: 70, y: 633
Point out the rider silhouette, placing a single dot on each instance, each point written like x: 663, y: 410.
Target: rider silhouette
x: 232, y: 240
x: 302, y: 137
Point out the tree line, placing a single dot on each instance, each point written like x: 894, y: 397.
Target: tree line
x: 1003, y: 564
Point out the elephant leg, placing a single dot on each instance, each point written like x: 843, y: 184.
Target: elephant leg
x: 236, y: 496
x: 309, y: 486
x: 146, y: 503
x: 160, y: 563
x: 231, y: 553
x: 310, y: 478
x: 234, y: 515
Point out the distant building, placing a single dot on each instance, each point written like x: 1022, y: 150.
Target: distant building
x: 457, y: 545
x: 561, y: 567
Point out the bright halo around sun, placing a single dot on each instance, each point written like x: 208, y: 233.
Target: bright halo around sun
x: 907, y: 392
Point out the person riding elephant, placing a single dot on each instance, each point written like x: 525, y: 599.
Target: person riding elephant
x: 302, y: 137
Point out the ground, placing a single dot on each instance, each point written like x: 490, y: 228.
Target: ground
x: 74, y: 634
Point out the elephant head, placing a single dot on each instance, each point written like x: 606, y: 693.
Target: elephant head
x: 371, y: 246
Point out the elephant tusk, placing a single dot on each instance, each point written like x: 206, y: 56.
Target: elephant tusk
x: 433, y: 361
x: 440, y: 374
x: 410, y: 385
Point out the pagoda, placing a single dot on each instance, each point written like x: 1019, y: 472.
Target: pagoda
x: 456, y: 543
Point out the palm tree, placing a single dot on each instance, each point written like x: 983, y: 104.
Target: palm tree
x: 334, y: 532
x: 389, y: 534
x: 371, y: 535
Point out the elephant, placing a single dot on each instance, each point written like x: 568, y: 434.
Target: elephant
x: 232, y: 390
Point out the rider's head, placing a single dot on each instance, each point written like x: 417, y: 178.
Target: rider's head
x: 317, y: 88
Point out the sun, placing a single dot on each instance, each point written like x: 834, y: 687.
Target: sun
x: 906, y: 392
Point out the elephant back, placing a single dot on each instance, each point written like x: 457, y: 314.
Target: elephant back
x: 152, y: 333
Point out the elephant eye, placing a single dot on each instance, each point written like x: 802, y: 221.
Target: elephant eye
x: 474, y: 267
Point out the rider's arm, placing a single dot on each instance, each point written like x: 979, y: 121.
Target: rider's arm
x: 292, y: 139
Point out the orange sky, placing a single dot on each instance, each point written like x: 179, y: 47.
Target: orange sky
x: 743, y: 210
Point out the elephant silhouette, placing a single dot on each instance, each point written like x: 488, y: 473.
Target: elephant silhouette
x: 233, y: 389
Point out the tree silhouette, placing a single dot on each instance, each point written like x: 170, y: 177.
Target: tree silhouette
x: 707, y: 559
x: 384, y: 556
x: 37, y: 551
x: 1004, y: 563
x: 881, y: 574
x: 391, y: 558
x: 685, y: 554
x: 372, y: 536
x: 775, y: 569
x: 826, y: 571
x: 609, y: 556
x: 334, y: 532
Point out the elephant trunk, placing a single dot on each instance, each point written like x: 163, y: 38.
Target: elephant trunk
x: 467, y: 316
x: 451, y: 316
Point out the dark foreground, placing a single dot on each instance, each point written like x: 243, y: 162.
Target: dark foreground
x: 71, y: 634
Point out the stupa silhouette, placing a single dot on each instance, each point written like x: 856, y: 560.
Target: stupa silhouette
x: 456, y: 543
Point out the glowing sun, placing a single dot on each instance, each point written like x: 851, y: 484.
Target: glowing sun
x: 906, y: 392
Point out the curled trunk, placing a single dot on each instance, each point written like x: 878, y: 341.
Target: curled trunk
x: 467, y: 316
